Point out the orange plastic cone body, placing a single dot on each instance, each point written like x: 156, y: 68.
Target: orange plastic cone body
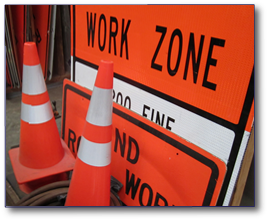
x: 41, y: 153
x: 90, y: 182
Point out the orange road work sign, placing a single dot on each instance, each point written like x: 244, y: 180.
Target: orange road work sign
x: 155, y: 166
x: 187, y: 68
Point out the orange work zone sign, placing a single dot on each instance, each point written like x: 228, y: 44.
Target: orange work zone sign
x: 199, y: 54
x: 155, y: 166
x: 187, y: 68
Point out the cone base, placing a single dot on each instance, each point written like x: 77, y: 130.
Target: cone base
x: 25, y: 174
x: 33, y: 185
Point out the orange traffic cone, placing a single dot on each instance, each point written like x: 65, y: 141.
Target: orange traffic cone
x: 42, y: 156
x: 90, y: 182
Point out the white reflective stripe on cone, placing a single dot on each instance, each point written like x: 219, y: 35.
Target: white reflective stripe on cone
x: 36, y: 114
x: 100, y: 109
x: 33, y: 80
x: 94, y: 154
